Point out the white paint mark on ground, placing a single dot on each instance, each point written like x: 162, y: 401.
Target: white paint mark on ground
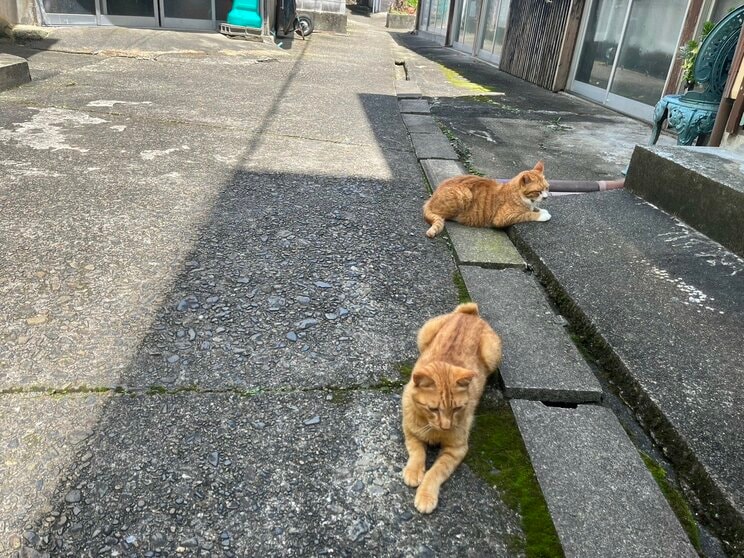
x: 118, y: 128
x: 110, y: 103
x: 149, y: 155
x: 691, y: 294
x: 46, y: 129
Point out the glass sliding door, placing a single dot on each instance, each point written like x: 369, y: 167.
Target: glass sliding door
x: 70, y: 12
x: 467, y: 26
x: 493, y: 30
x: 626, y: 52
x: 133, y: 13
x: 187, y: 14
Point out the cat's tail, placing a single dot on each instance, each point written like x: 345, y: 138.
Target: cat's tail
x: 468, y: 308
x: 436, y: 221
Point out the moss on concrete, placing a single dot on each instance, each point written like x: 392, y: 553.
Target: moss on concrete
x: 462, y: 82
x: 463, y: 295
x: 676, y: 500
x: 497, y: 454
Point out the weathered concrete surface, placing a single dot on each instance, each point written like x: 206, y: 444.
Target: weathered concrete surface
x: 603, y: 500
x: 414, y: 106
x: 662, y: 305
x: 407, y: 89
x: 702, y: 186
x: 13, y: 71
x: 540, y: 362
x: 432, y: 146
x: 420, y: 124
x: 437, y: 170
x: 207, y: 227
x: 302, y: 474
x: 483, y: 247
x: 507, y: 125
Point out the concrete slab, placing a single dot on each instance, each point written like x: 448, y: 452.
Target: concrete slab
x: 437, y: 170
x: 13, y: 71
x: 407, y: 89
x: 433, y: 146
x: 603, y: 500
x: 662, y: 305
x: 420, y: 123
x: 38, y: 438
x: 414, y: 106
x: 483, y: 247
x: 302, y: 474
x: 703, y: 186
x: 514, y: 305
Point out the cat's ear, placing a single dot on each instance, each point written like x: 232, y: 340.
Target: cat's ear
x: 463, y: 377
x: 539, y: 167
x: 422, y: 379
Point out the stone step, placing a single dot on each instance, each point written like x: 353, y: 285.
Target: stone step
x: 662, y: 307
x: 13, y: 71
x: 703, y: 186
x: 540, y: 361
x: 603, y: 500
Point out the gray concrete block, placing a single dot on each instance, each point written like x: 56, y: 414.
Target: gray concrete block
x: 703, y: 186
x: 407, y: 89
x: 414, y: 106
x: 13, y: 71
x: 432, y: 146
x: 483, y: 247
x: 438, y: 170
x: 603, y: 500
x: 421, y: 124
x: 540, y: 361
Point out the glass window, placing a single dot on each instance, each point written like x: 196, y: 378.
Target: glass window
x: 604, y: 26
x: 87, y: 7
x: 143, y: 8
x: 489, y: 26
x: 188, y: 9
x: 723, y: 7
x: 648, y: 48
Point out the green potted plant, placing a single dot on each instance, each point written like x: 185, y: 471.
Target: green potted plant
x: 688, y: 53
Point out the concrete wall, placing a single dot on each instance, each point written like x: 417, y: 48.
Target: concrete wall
x: 327, y: 15
x: 19, y: 11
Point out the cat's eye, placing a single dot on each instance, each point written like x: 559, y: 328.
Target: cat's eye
x: 433, y: 409
x: 458, y: 408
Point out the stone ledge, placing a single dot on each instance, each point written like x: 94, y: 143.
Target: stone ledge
x: 540, y: 361
x: 13, y: 71
x: 702, y: 186
x: 603, y: 500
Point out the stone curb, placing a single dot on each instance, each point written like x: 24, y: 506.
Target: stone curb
x: 13, y: 71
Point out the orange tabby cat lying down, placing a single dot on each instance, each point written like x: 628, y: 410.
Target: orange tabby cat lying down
x: 458, y: 352
x: 482, y: 202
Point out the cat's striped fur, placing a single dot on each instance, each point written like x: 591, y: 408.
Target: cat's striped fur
x: 482, y: 202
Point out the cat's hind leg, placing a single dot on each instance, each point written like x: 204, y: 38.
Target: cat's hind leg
x: 434, y: 219
x: 490, y: 349
x: 429, y: 330
x: 447, y: 203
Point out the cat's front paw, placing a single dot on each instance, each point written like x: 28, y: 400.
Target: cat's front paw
x: 413, y: 475
x: 426, y: 501
x: 544, y: 216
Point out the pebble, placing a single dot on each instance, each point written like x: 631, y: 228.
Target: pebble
x: 331, y: 316
x: 323, y: 285
x: 292, y: 336
x: 311, y: 421
x: 358, y: 486
x: 376, y: 491
x: 192, y: 334
x: 307, y: 322
x: 358, y: 530
x: 213, y: 299
x: 259, y: 425
x: 304, y: 300
x: 37, y: 320
x: 31, y: 538
x: 73, y: 497
x: 406, y: 515
x: 424, y: 551
x: 187, y: 303
x: 131, y: 539
x: 214, y: 458
x: 173, y: 359
x: 343, y: 312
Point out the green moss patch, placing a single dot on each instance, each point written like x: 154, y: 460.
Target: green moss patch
x: 497, y: 454
x: 463, y: 295
x: 406, y: 369
x: 675, y: 499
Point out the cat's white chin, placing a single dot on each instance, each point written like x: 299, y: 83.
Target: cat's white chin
x: 544, y: 216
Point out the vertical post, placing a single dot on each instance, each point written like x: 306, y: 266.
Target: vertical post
x: 727, y: 101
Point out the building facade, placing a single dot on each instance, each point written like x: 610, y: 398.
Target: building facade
x: 168, y: 14
x: 619, y: 53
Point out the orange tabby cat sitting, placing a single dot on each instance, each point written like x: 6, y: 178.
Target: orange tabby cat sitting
x: 482, y: 202
x: 458, y: 352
